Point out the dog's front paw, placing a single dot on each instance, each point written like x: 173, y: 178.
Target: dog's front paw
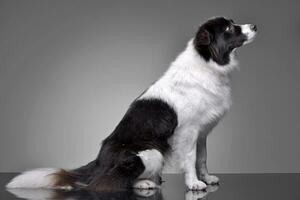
x: 196, y: 185
x: 195, y: 195
x: 211, y: 179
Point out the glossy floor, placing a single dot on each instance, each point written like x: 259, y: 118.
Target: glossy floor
x: 232, y: 186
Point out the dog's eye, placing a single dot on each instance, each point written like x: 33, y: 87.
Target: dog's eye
x: 229, y: 28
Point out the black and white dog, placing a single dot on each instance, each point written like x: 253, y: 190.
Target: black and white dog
x: 167, y: 125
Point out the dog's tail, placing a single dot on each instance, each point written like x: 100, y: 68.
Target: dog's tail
x: 53, y: 178
x: 43, y: 178
x: 92, y: 177
x: 118, y: 171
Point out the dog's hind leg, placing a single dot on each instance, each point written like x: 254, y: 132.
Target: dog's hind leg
x: 153, y: 162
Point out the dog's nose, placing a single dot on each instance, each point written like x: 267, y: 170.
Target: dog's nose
x: 253, y: 27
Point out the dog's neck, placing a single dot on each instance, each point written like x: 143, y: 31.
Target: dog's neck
x: 190, y: 58
x: 191, y: 69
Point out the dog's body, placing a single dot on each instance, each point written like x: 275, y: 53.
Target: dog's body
x: 168, y: 123
x: 200, y: 96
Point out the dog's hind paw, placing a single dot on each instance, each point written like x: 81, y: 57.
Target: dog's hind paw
x: 145, y: 184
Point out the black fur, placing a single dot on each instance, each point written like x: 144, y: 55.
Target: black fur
x: 212, y: 41
x: 148, y: 124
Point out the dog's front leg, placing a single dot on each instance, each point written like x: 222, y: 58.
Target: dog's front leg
x: 189, y: 163
x: 201, y: 166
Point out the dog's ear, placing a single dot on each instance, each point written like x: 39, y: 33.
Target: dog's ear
x: 203, y: 37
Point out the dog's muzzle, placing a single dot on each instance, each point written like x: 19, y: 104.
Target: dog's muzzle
x: 249, y: 30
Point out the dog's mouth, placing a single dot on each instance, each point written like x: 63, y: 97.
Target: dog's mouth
x: 250, y: 31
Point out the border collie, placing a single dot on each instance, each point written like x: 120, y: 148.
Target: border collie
x: 166, y: 125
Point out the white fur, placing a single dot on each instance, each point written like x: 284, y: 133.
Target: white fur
x: 199, y: 91
x: 140, y: 192
x: 195, y: 195
x: 144, y: 184
x: 248, y: 32
x: 153, y: 162
x: 37, y: 178
x: 33, y: 194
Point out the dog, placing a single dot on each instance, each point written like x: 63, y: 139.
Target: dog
x: 166, y: 125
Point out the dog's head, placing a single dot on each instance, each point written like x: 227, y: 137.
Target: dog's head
x: 218, y: 37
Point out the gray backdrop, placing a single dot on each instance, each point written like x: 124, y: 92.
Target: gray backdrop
x: 69, y: 70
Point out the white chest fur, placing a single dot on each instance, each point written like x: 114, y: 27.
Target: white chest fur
x: 199, y: 91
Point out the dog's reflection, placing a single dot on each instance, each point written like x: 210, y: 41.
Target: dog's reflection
x: 197, y: 195
x: 39, y: 194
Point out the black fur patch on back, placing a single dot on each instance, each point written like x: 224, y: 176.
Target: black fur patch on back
x: 148, y: 124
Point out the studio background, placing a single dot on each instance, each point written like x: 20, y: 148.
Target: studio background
x: 70, y: 69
